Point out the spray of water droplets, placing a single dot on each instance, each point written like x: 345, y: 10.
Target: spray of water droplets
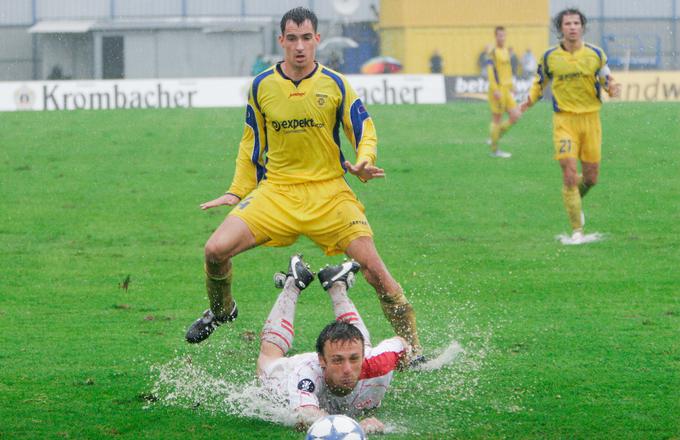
x: 458, y: 343
x: 181, y: 382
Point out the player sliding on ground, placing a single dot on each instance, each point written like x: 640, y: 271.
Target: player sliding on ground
x: 290, y: 178
x: 578, y: 72
x: 346, y: 375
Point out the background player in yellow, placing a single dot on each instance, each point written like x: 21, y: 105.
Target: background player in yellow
x: 578, y: 72
x: 289, y: 178
x: 501, y: 100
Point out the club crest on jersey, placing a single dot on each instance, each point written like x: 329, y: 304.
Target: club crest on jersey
x: 306, y: 385
x: 321, y: 99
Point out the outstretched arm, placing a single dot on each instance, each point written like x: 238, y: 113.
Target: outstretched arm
x: 364, y: 171
x: 227, y: 200
x: 307, y: 415
x: 360, y: 131
x: 611, y: 86
x: 371, y: 425
x: 541, y: 80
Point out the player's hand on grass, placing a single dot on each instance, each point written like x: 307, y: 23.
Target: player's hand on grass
x: 372, y: 425
x: 364, y: 171
x: 227, y: 199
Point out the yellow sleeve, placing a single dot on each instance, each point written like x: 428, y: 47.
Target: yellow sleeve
x: 250, y: 160
x: 359, y: 128
x: 491, y: 71
x: 540, y: 81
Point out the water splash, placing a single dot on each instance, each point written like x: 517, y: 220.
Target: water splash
x: 459, y: 345
x: 586, y: 238
x: 446, y: 357
x: 180, y: 382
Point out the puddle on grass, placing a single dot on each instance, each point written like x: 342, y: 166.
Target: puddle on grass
x: 459, y: 356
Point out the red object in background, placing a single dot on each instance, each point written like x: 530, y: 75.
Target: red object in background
x: 379, y: 65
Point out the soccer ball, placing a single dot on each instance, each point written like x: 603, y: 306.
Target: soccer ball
x: 335, y: 428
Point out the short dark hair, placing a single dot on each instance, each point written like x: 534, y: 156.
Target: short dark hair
x: 298, y: 16
x: 557, y: 21
x: 498, y: 28
x: 338, y: 331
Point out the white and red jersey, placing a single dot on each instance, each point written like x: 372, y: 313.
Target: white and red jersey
x: 299, y: 379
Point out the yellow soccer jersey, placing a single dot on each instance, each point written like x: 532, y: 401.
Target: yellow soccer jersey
x: 576, y: 87
x: 499, y: 68
x: 292, y: 130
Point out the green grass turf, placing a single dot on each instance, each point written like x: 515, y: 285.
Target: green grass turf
x: 561, y: 342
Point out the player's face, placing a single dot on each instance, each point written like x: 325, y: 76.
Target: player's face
x: 500, y: 38
x: 572, y: 28
x: 341, y: 361
x: 299, y: 44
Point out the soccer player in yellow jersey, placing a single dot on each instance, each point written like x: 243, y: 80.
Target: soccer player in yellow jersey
x: 578, y: 72
x: 290, y: 178
x: 499, y: 72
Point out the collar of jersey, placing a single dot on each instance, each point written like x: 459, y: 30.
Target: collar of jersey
x: 296, y: 83
x: 583, y: 46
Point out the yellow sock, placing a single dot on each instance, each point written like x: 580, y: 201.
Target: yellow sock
x: 505, y: 126
x: 572, y: 203
x: 495, y: 130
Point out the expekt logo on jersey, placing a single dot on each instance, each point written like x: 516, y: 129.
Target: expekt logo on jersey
x: 295, y: 124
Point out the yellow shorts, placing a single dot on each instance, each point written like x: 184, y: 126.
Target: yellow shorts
x: 577, y: 135
x: 327, y: 212
x: 506, y: 103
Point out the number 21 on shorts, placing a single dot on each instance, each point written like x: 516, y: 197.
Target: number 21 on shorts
x: 565, y: 145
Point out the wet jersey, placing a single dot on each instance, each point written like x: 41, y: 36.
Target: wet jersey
x: 292, y: 129
x: 576, y: 83
x: 499, y: 68
x: 300, y: 380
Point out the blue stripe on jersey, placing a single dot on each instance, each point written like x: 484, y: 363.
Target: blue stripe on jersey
x: 545, y: 61
x: 339, y: 113
x: 493, y: 66
x: 556, y: 108
x: 595, y: 49
x: 266, y: 144
x: 256, y: 84
x: 358, y: 114
x: 251, y: 121
x: 541, y: 77
x: 598, y: 87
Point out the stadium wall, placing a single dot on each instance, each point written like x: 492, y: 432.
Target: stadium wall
x: 636, y: 34
x: 33, y: 35
x: 196, y: 92
x: 232, y: 92
x: 459, y: 31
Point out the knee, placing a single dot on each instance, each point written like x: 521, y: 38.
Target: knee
x: 214, y: 254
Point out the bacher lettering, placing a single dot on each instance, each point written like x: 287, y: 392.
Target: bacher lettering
x: 158, y: 97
